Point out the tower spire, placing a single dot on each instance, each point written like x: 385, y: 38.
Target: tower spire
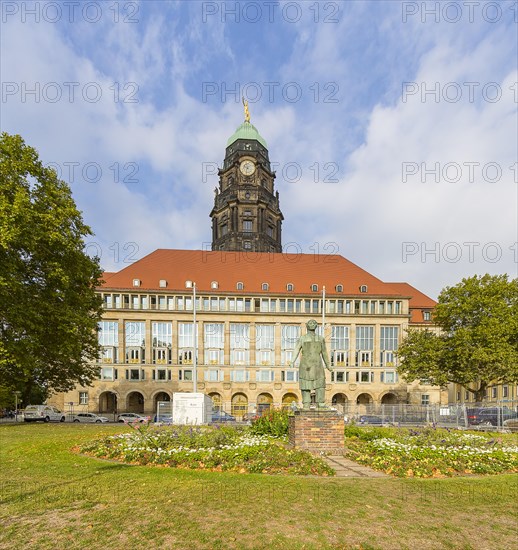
x: 247, y: 112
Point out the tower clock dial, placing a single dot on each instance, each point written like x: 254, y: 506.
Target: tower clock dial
x: 247, y: 167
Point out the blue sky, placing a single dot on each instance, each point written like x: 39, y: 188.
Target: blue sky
x: 394, y: 124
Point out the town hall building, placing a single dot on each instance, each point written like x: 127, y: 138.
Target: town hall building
x: 225, y: 322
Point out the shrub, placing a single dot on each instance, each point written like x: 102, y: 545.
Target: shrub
x: 273, y: 422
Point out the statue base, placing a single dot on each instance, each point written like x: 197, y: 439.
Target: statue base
x: 317, y: 430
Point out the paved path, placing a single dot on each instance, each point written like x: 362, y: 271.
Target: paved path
x: 347, y: 468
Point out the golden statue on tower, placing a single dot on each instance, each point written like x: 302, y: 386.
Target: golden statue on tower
x: 247, y: 112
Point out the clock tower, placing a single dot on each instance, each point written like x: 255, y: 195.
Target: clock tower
x: 246, y: 214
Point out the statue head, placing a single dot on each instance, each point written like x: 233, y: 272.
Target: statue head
x: 311, y: 324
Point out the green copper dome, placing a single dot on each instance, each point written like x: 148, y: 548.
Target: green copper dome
x: 247, y: 131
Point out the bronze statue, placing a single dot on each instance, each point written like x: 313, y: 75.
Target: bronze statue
x: 311, y: 371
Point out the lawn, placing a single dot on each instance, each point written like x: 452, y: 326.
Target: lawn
x: 53, y: 498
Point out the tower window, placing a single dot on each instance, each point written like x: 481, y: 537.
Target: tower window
x: 224, y: 229
x: 269, y: 231
x: 247, y: 225
x: 247, y: 245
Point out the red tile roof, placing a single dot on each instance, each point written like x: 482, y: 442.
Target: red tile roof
x: 253, y: 269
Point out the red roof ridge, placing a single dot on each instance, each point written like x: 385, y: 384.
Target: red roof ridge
x: 253, y: 269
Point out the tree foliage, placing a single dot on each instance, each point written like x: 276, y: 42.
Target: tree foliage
x: 48, y: 307
x: 477, y: 344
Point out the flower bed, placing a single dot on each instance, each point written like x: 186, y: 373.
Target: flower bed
x: 208, y: 448
x: 432, y: 452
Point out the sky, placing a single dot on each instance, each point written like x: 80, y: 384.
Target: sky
x: 392, y: 126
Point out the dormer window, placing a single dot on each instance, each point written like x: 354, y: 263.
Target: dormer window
x: 214, y: 285
x: 363, y: 288
x: 314, y: 288
x: 240, y: 286
x: 162, y: 283
x: 136, y: 282
x: 290, y: 287
x: 339, y: 288
x: 265, y: 286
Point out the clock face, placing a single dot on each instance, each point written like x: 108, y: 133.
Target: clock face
x: 247, y: 167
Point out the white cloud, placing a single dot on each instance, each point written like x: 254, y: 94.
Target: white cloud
x: 368, y: 134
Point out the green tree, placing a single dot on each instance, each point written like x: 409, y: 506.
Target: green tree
x: 477, y: 341
x: 48, y: 307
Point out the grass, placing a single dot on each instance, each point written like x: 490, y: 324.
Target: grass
x: 53, y: 498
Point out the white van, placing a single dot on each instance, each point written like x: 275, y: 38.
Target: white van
x: 43, y: 413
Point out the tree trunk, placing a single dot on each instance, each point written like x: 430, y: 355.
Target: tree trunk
x: 479, y: 394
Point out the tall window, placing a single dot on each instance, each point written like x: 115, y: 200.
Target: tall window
x: 214, y: 343
x: 239, y: 344
x: 289, y: 338
x: 264, y: 344
x: 186, y: 343
x: 364, y: 346
x: 339, y: 346
x: 109, y: 340
x: 388, y: 346
x: 135, y: 334
x: 247, y: 225
x: 162, y: 338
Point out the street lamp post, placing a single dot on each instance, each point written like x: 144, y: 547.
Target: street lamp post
x: 192, y: 284
x: 323, y: 310
x: 16, y: 395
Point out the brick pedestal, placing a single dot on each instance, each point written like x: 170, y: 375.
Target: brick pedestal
x: 317, y: 431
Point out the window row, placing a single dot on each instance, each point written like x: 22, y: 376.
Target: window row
x: 364, y: 376
x: 209, y: 375
x: 240, y: 343
x: 271, y: 305
x: 493, y: 392
x: 244, y: 375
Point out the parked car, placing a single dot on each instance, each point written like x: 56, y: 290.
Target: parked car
x: 370, y: 419
x: 43, y: 413
x: 494, y: 416
x: 131, y: 417
x: 89, y: 417
x: 222, y: 416
x: 164, y: 418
